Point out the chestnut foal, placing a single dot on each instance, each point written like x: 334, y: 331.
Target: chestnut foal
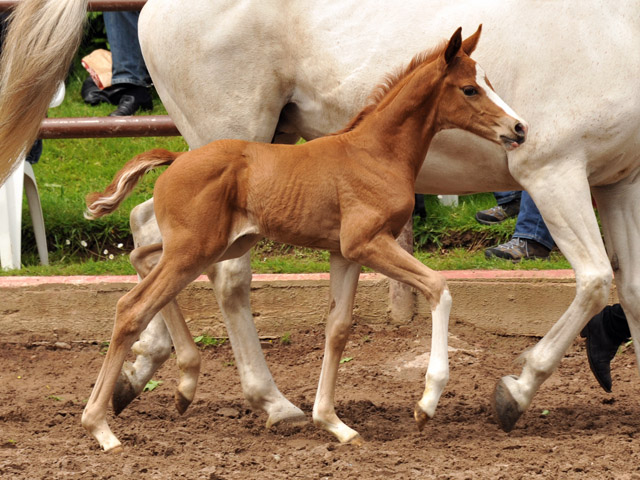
x: 350, y: 193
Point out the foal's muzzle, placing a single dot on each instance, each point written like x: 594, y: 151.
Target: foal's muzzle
x: 517, y: 136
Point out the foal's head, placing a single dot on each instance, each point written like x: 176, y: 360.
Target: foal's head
x: 468, y: 101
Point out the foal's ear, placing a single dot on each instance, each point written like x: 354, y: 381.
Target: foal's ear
x: 454, y: 46
x: 469, y: 44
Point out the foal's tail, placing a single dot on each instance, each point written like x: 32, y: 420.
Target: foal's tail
x: 42, y: 38
x: 103, y: 203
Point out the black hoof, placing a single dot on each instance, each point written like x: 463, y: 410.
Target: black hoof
x: 505, y: 407
x: 123, y: 394
x: 182, y: 402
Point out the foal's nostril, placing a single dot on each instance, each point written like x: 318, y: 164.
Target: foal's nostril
x: 521, y: 132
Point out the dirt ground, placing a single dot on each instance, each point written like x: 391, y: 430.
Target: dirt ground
x: 572, y: 430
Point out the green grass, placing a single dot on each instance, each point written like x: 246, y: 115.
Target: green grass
x: 448, y: 239
x: 70, y: 169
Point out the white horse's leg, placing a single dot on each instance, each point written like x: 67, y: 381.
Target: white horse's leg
x: 152, y: 349
x: 154, y: 346
x: 246, y: 107
x: 564, y: 200
x: 618, y: 207
x: 344, y: 281
x: 232, y: 281
x: 187, y: 354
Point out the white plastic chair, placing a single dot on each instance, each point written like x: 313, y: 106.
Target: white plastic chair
x: 448, y: 200
x: 23, y: 178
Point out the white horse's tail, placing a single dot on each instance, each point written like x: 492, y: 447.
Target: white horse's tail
x: 103, y: 203
x: 42, y: 39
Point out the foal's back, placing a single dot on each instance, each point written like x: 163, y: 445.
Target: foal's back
x: 296, y: 194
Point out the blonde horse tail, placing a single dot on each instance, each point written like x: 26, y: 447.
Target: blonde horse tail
x: 42, y: 39
x: 103, y: 203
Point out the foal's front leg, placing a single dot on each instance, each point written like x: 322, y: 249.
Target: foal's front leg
x: 344, y: 281
x: 383, y: 254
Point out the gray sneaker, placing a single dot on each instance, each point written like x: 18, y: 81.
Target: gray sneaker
x: 499, y: 213
x: 518, y: 249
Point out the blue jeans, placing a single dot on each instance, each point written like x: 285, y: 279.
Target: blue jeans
x: 530, y: 224
x: 506, y: 197
x: 128, y: 64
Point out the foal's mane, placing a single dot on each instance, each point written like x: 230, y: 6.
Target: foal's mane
x: 389, y: 84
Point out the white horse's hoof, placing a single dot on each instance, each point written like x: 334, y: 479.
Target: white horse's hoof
x: 114, y: 450
x: 181, y: 402
x: 292, y: 417
x: 123, y: 393
x: 506, y: 408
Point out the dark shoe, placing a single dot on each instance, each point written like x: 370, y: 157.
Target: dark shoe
x: 499, y: 213
x: 518, y: 249
x: 131, y: 100
x: 91, y: 94
x: 35, y: 153
x: 604, y: 334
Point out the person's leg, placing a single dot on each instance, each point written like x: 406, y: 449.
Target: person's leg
x: 130, y: 79
x: 128, y: 63
x: 604, y: 333
x: 508, y: 205
x: 530, y: 224
x: 503, y: 198
x: 419, y: 209
x: 531, y: 238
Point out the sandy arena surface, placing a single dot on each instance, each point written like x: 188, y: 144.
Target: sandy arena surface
x: 573, y: 429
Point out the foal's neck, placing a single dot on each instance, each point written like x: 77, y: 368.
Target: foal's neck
x: 404, y: 122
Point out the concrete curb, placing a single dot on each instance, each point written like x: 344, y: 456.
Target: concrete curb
x: 17, y: 281
x: 81, y: 308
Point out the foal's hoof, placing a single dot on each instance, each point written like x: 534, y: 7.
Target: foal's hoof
x: 123, y: 393
x: 421, y: 417
x: 505, y: 407
x: 182, y: 402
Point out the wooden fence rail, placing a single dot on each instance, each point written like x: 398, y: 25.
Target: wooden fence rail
x: 94, y: 5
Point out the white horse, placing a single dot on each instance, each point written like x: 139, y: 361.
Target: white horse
x: 275, y: 70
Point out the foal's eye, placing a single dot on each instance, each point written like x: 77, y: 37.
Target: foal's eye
x: 469, y: 91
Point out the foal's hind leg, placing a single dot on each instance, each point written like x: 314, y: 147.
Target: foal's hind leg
x: 384, y: 255
x: 133, y: 312
x: 344, y: 280
x: 188, y: 357
x: 232, y: 286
